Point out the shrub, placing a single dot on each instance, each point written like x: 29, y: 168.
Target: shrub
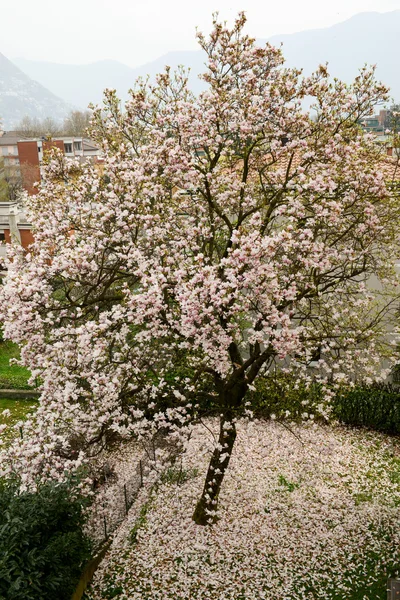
x: 284, y: 397
x: 178, y: 476
x: 376, y: 406
x: 42, y: 544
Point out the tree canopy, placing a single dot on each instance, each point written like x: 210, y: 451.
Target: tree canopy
x: 75, y: 124
x: 225, y: 235
x: 392, y: 121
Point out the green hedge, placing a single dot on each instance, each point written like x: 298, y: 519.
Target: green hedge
x: 284, y: 397
x: 376, y: 406
x: 42, y: 544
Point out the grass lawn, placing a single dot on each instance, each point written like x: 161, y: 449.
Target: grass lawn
x: 12, y: 376
x: 310, y: 516
x: 18, y: 409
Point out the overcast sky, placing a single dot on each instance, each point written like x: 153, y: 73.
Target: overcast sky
x: 138, y: 31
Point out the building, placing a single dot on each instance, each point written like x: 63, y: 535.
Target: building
x: 375, y: 123
x: 13, y: 226
x: 21, y: 165
x: 23, y: 156
x: 9, y: 159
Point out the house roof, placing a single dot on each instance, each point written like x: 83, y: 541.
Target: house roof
x: 89, y: 145
x: 10, y: 138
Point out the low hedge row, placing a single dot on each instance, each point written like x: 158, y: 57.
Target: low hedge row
x: 375, y: 406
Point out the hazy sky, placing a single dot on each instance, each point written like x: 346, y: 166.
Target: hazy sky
x: 138, y: 31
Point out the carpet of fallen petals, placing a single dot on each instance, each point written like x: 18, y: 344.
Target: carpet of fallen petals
x: 307, y: 513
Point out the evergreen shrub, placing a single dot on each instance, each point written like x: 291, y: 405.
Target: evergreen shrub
x: 43, y: 547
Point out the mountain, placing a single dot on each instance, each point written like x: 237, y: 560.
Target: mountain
x: 79, y: 84
x: 84, y: 84
x: 21, y: 96
x: 365, y: 38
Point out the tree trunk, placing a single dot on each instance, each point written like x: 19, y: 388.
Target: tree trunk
x: 206, y: 509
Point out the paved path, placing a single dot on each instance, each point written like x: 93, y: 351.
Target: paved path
x: 19, y: 394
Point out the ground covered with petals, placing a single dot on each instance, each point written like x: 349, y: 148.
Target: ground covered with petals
x: 308, y: 513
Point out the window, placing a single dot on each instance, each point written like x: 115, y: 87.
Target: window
x: 4, y: 151
x: 68, y: 148
x: 2, y: 236
x: 77, y: 145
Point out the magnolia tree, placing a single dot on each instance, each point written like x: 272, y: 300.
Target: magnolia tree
x: 223, y: 236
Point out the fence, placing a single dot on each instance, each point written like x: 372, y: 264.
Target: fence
x: 107, y: 516
x: 111, y: 509
x: 114, y: 505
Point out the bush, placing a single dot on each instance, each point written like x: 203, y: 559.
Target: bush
x: 376, y: 406
x: 42, y: 544
x: 283, y: 396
